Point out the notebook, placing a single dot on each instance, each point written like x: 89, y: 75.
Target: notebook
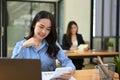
x: 20, y: 69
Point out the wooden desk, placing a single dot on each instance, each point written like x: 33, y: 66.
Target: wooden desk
x: 90, y: 74
x: 92, y: 54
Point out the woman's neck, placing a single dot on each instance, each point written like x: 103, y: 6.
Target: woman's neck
x: 73, y: 35
x: 38, y: 41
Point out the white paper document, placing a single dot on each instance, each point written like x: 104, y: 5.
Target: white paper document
x: 56, y: 73
x: 82, y: 46
x: 47, y: 75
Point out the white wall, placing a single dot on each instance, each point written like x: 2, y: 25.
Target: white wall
x: 79, y: 11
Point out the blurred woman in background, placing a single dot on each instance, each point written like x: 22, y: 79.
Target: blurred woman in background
x: 71, y: 40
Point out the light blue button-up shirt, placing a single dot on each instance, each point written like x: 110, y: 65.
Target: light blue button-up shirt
x: 47, y: 63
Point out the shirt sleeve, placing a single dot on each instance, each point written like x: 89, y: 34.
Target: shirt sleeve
x: 80, y: 39
x: 64, y: 60
x: 18, y: 50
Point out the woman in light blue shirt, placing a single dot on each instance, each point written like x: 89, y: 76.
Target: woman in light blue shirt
x: 41, y: 43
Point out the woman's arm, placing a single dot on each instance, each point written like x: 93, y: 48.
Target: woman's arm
x: 80, y: 39
x: 64, y: 60
x: 18, y: 50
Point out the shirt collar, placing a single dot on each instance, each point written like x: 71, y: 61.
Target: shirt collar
x: 44, y: 44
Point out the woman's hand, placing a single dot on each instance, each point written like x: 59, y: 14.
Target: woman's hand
x: 66, y: 76
x: 31, y: 42
x: 73, y: 48
x: 86, y: 49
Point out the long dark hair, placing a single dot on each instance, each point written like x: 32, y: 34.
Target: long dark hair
x: 68, y: 33
x: 52, y: 37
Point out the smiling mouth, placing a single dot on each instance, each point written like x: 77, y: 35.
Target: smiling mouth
x: 42, y: 35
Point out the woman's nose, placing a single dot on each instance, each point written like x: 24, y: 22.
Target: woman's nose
x: 43, y: 31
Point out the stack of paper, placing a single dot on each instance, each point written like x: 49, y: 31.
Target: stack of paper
x: 56, y: 74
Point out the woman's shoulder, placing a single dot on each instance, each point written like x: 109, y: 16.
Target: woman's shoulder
x: 21, y: 41
x: 79, y: 34
x: 64, y: 34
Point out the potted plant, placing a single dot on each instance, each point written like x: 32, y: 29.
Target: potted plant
x: 117, y: 63
x: 110, y: 45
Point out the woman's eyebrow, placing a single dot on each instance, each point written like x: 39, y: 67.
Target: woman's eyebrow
x: 41, y: 25
x: 45, y: 26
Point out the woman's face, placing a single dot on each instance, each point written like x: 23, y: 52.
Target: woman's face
x: 74, y: 29
x: 42, y: 28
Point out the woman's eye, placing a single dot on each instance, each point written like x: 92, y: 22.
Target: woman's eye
x: 48, y: 29
x: 41, y: 26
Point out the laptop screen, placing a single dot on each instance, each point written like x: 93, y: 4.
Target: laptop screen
x: 20, y: 69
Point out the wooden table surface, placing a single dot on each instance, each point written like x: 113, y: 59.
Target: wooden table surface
x: 90, y: 74
x: 91, y: 54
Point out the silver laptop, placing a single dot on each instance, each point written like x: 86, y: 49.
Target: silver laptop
x: 20, y: 69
